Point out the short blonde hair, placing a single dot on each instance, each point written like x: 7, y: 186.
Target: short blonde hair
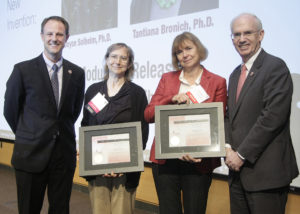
x: 179, y: 41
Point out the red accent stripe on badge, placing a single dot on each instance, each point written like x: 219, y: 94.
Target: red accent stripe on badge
x: 91, y: 104
x: 191, y: 96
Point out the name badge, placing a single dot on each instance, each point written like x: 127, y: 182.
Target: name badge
x: 96, y: 104
x: 197, y: 94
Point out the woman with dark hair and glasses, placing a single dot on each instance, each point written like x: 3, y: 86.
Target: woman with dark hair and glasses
x: 188, y: 175
x: 115, y: 193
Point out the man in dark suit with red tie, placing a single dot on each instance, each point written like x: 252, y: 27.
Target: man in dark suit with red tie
x: 43, y: 100
x: 259, y: 152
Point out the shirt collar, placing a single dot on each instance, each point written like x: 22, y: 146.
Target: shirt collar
x: 50, y: 64
x: 250, y: 62
x: 183, y: 80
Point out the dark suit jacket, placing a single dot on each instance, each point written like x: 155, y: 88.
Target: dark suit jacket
x: 169, y: 85
x: 258, y: 125
x: 31, y: 112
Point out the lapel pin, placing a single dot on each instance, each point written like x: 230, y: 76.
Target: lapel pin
x: 70, y: 71
x: 251, y: 73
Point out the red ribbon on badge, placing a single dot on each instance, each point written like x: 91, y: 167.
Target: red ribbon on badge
x: 191, y: 96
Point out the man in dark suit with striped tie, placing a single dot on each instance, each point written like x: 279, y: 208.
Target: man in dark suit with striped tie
x: 43, y: 100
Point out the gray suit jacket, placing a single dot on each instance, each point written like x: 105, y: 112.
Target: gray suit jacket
x: 31, y: 112
x: 258, y: 125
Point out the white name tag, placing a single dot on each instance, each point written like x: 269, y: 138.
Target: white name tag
x: 96, y: 104
x: 197, y: 94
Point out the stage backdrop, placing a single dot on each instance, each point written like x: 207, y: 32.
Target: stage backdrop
x: 149, y: 27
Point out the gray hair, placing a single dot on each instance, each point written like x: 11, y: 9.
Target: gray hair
x: 257, y: 21
x: 130, y: 69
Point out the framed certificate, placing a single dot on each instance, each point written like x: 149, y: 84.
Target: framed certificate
x: 110, y: 148
x: 194, y: 129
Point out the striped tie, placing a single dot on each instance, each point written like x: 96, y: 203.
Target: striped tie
x: 54, y: 82
x: 242, y: 79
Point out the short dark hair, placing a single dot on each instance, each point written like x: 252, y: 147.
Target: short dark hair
x: 130, y: 69
x: 56, y: 18
x: 179, y: 41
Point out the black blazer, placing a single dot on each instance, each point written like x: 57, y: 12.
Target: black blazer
x: 31, y: 112
x: 258, y: 125
x: 127, y: 105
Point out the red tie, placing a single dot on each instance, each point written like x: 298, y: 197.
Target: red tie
x: 242, y: 79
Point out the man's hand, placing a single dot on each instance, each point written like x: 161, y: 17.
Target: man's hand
x: 233, y: 160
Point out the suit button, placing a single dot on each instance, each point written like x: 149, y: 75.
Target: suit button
x: 54, y: 136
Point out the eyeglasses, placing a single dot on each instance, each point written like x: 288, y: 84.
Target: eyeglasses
x: 123, y: 59
x: 246, y: 35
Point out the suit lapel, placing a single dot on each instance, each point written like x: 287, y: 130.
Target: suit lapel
x: 204, y: 82
x: 42, y: 67
x: 249, y: 80
x: 234, y: 78
x: 176, y: 83
x: 67, y: 72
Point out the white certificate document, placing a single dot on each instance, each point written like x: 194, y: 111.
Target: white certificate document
x: 110, y: 149
x: 189, y: 130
